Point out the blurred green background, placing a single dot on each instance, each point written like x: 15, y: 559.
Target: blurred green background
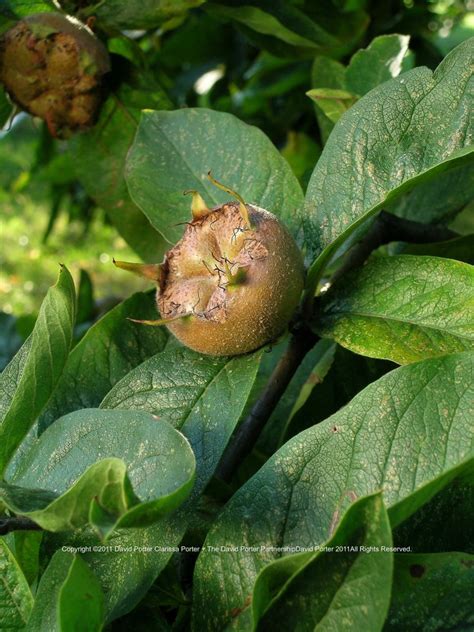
x: 81, y: 237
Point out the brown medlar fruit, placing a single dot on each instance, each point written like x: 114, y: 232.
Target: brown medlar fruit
x: 52, y: 66
x: 232, y: 283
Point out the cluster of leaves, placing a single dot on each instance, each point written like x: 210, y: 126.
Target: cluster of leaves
x: 111, y: 446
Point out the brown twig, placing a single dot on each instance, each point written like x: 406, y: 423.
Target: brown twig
x: 17, y: 523
x: 301, y: 341
x: 385, y: 229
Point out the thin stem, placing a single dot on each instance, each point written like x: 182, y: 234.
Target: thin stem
x: 385, y: 229
x: 17, y: 523
x: 248, y: 432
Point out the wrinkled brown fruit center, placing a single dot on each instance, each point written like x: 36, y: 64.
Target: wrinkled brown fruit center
x: 217, y: 254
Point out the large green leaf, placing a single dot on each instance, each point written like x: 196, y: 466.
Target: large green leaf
x: 28, y: 381
x: 401, y: 134
x: 344, y: 585
x: 108, y: 351
x: 69, y: 597
x: 434, y: 590
x: 173, y: 152
x: 204, y: 398
x: 140, y: 14
x: 407, y: 434
x: 16, y: 599
x: 99, y: 157
x: 403, y: 308
x: 191, y: 392
x: 326, y: 396
x: 65, y: 479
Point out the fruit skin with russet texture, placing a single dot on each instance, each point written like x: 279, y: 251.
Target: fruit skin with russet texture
x: 232, y: 283
x: 52, y: 66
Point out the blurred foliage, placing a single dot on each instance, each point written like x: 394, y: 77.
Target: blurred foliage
x: 28, y: 262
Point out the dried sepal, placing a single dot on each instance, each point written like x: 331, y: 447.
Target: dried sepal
x: 152, y: 271
x: 199, y: 207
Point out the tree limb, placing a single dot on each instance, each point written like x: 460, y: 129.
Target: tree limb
x: 385, y: 229
x: 17, y: 523
x: 301, y: 341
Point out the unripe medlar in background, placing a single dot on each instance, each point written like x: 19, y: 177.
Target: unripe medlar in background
x: 52, y: 67
x: 232, y: 283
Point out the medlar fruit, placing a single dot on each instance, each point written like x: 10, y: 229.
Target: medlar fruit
x: 52, y: 66
x: 232, y: 283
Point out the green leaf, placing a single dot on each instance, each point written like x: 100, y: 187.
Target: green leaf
x: 402, y: 308
x: 99, y: 157
x: 65, y: 472
x: 69, y: 597
x: 28, y: 381
x: 81, y: 601
x: 314, y: 29
x: 332, y: 102
x: 386, y: 57
x: 345, y: 585
x: 144, y: 14
x: 408, y: 434
x: 85, y: 298
x: 437, y: 200
x: 324, y: 395
x: 204, y: 398
x: 432, y: 589
x: 190, y: 391
x: 21, y: 8
x: 16, y: 599
x: 26, y: 549
x: 174, y: 151
x: 107, y: 352
x: 402, y: 133
x: 459, y: 248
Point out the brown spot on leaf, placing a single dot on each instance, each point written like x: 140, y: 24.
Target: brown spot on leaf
x: 236, y: 611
